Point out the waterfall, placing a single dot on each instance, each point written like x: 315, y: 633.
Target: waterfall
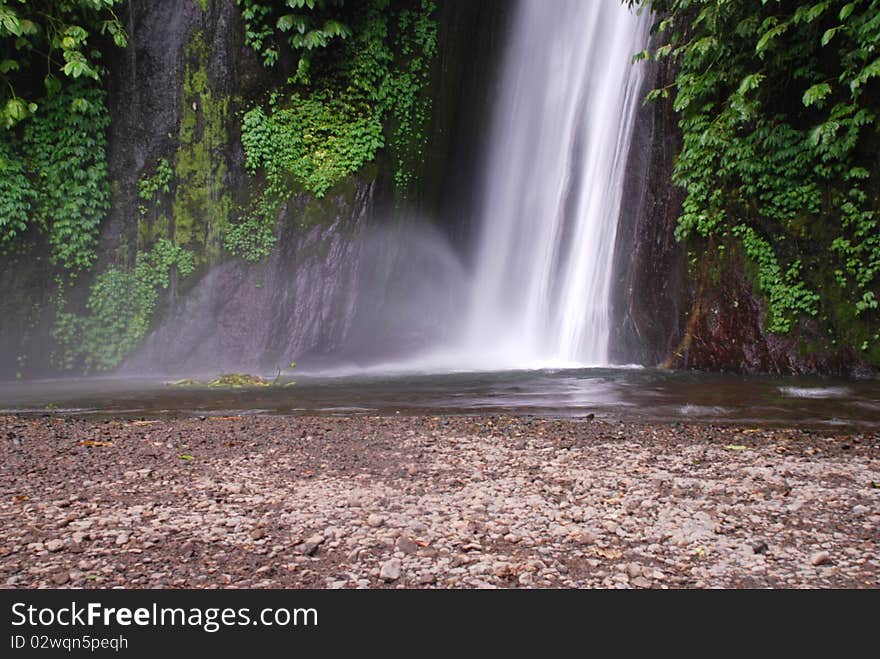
x: 552, y: 185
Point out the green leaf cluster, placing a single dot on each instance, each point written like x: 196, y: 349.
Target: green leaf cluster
x: 44, y: 39
x: 54, y: 175
x: 119, y: 309
x: 363, y: 81
x: 151, y: 188
x: 777, y: 103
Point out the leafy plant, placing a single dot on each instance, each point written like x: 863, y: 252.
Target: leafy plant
x: 16, y: 194
x: 64, y: 154
x: 151, y: 188
x: 45, y: 39
x: 361, y: 70
x: 777, y: 105
x: 119, y: 309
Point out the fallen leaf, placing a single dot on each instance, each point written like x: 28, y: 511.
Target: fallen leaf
x: 21, y: 497
x: 736, y: 447
x: 142, y: 423
x: 750, y: 431
x: 224, y: 418
x: 876, y: 486
x: 422, y: 543
x: 610, y: 554
x: 89, y: 442
x: 186, y: 456
x: 699, y: 551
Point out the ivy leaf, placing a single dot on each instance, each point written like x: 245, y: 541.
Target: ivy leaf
x: 816, y: 94
x: 750, y: 82
x: 829, y: 34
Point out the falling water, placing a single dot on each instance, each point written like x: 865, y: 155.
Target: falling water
x: 553, y: 185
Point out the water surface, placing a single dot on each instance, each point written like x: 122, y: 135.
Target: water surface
x: 610, y: 393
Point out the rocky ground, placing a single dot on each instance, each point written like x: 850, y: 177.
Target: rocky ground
x: 422, y: 502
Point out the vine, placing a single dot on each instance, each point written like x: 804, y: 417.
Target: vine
x: 16, y: 194
x: 119, y: 310
x: 151, y: 188
x: 361, y: 67
x: 64, y: 152
x: 42, y: 39
x: 777, y: 104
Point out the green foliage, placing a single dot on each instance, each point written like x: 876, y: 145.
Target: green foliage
x: 151, y: 188
x: 16, y: 194
x: 57, y: 175
x: 119, y: 309
x: 253, y: 236
x: 313, y: 24
x: 333, y: 120
x: 42, y: 39
x: 777, y: 104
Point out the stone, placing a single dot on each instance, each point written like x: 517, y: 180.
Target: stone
x: 375, y: 521
x: 406, y: 545
x: 54, y: 545
x: 311, y: 544
x: 122, y: 539
x: 641, y: 582
x: 390, y: 570
x: 585, y: 537
x: 820, y: 558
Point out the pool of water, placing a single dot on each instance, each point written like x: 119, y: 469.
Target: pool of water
x: 619, y: 394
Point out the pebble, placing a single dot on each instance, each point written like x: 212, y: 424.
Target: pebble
x: 612, y: 505
x: 820, y: 558
x: 390, y: 570
x: 406, y: 545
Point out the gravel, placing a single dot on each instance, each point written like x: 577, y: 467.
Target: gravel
x: 434, y: 502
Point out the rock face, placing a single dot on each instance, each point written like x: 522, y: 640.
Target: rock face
x: 650, y: 298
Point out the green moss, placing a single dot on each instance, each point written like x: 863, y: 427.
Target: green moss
x: 201, y: 206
